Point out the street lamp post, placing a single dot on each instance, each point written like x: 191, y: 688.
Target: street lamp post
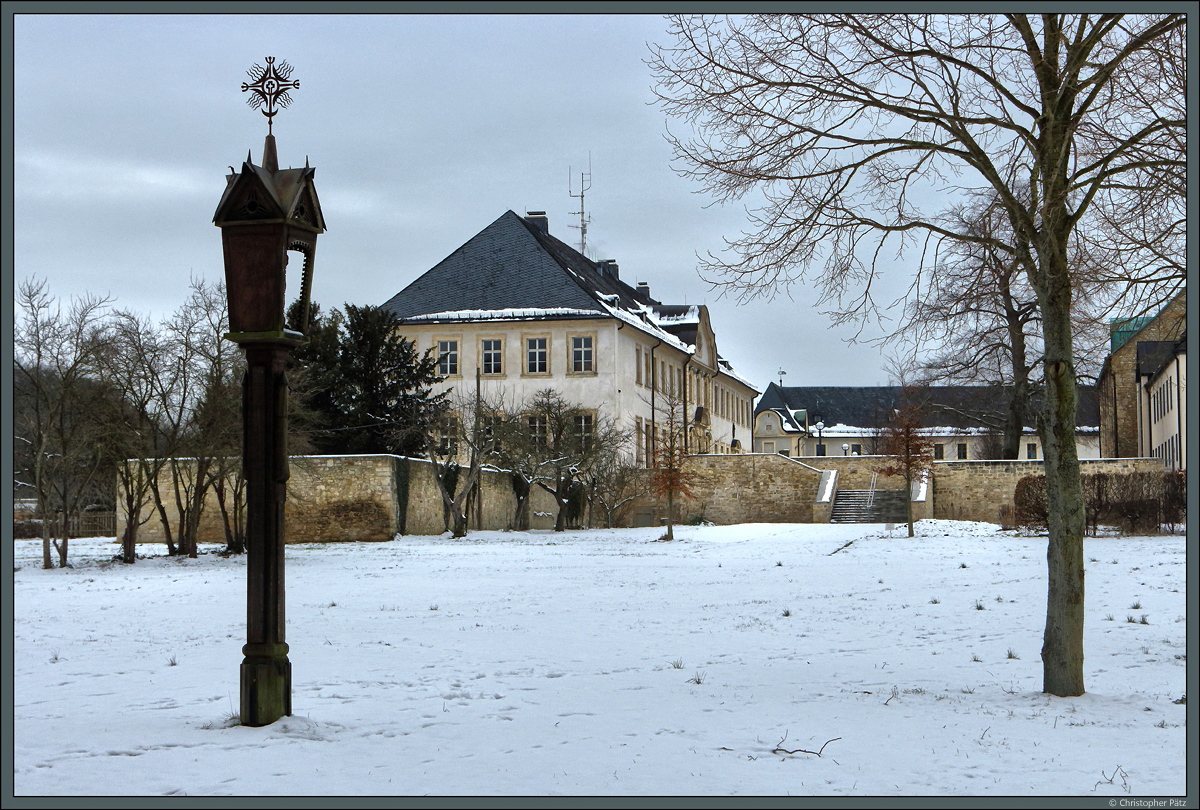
x: 820, y: 441
x: 263, y: 214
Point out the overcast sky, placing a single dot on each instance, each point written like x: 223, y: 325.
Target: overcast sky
x: 423, y: 130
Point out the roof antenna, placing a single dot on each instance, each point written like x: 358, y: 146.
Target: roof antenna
x: 585, y: 183
x: 782, y: 374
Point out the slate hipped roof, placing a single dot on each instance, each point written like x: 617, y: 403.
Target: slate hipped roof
x: 951, y: 406
x: 1154, y: 355
x: 514, y: 264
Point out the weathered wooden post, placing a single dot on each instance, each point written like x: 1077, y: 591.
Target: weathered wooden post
x: 264, y: 214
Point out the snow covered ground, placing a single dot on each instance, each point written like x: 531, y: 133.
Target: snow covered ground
x: 601, y: 662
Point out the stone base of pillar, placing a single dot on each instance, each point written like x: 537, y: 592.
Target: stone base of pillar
x: 266, y: 693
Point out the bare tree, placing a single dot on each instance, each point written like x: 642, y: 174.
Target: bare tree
x: 850, y: 125
x: 613, y: 481
x: 670, y: 478
x: 132, y: 366
x: 198, y: 410
x: 1138, y: 246
x: 461, y: 428
x: 553, y: 444
x: 55, y: 360
x: 978, y: 319
x: 909, y: 447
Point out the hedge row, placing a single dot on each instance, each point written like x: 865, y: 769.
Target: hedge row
x: 1138, y: 501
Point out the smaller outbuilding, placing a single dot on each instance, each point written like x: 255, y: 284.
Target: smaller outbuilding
x: 963, y: 421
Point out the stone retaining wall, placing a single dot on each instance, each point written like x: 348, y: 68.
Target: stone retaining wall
x: 769, y: 488
x: 372, y: 498
x: 983, y: 490
x: 750, y: 488
x: 363, y: 498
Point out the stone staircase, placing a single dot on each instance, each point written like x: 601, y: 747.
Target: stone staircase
x: 857, y: 506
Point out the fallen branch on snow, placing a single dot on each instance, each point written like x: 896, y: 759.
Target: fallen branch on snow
x: 778, y: 749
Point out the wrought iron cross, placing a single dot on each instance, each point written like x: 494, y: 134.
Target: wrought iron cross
x: 270, y: 87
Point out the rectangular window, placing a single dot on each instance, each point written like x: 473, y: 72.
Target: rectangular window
x: 492, y: 350
x: 939, y: 452
x: 856, y: 449
x: 581, y: 355
x: 585, y: 425
x: 637, y: 363
x: 962, y: 452
x: 639, y: 458
x: 448, y: 436
x: 769, y: 447
x: 537, y: 430
x: 537, y: 359
x: 491, y: 428
x: 448, y: 358
x: 1031, y: 450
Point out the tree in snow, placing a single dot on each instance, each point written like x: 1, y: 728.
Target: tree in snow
x: 555, y: 444
x: 855, y: 128
x: 55, y: 362
x: 670, y: 477
x: 908, y: 446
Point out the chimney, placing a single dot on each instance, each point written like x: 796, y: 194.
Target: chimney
x: 610, y: 268
x: 644, y: 288
x: 538, y: 220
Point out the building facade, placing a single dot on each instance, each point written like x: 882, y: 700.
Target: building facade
x: 515, y: 311
x: 1138, y: 349
x: 960, y: 421
x: 1162, y: 403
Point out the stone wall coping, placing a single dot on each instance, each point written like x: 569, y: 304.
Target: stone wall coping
x: 826, y: 487
x: 777, y: 455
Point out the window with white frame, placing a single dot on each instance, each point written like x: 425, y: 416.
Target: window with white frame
x: 585, y: 430
x: 537, y: 355
x: 448, y: 435
x: 492, y: 354
x: 537, y: 429
x: 582, y: 361
x: 448, y: 358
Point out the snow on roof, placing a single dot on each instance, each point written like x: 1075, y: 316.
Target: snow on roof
x: 842, y: 430
x: 513, y: 314
x: 689, y: 315
x: 644, y: 319
x: 727, y: 369
x: 640, y: 321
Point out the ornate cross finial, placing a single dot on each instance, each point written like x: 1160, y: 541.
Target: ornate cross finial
x: 270, y: 87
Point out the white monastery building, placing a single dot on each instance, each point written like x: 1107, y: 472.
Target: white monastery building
x: 524, y: 311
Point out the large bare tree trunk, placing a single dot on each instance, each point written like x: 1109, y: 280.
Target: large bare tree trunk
x: 1062, y: 645
x: 64, y: 524
x: 47, y: 559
